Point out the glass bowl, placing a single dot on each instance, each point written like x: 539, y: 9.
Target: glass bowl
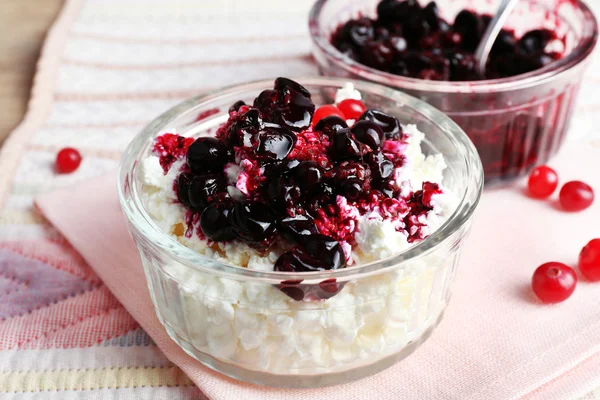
x: 515, y: 123
x: 237, y: 321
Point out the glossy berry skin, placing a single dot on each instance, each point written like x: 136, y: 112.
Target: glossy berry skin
x: 352, y: 188
x: 279, y: 168
x: 285, y: 83
x: 67, y: 160
x: 325, y: 249
x: 330, y: 125
x: 246, y: 125
x: 430, y: 15
x: 576, y: 196
x: 543, y: 181
x: 323, y: 198
x: 265, y: 101
x: 251, y: 120
x: 317, y: 253
x: 470, y: 26
x: 377, y: 54
x: 381, y: 167
x: 351, y: 108
x: 295, y: 110
x: 369, y: 133
x: 288, y: 105
x: 296, y: 260
x: 396, y: 11
x: 280, y: 193
x: 553, y: 282
x: 203, y: 189
x: 253, y: 223
x: 351, y: 169
x: 535, y: 41
x: 295, y: 228
x: 388, y: 124
x: 505, y: 43
x: 344, y: 146
x: 214, y: 221
x: 327, y: 110
x: 589, y: 260
x: 307, y: 174
x: 182, y: 186
x: 274, y: 143
x: 207, y: 154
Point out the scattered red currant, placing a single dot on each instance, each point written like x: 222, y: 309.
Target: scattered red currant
x: 553, y: 282
x: 67, y: 160
x: 589, y: 260
x: 326, y: 111
x: 351, y: 108
x: 543, y: 181
x: 576, y: 196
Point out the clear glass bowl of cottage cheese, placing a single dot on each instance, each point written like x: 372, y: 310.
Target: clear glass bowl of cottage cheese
x: 226, y: 306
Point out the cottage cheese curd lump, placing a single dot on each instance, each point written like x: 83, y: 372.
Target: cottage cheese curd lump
x: 276, y: 189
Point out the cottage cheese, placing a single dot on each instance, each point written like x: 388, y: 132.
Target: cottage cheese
x: 256, y: 326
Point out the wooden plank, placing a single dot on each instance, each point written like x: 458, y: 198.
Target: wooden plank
x: 23, y: 28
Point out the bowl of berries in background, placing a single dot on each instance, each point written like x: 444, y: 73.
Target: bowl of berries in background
x: 300, y: 234
x: 517, y: 114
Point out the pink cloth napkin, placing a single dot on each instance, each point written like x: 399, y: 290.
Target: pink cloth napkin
x: 496, y: 341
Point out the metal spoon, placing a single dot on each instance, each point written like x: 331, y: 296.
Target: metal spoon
x: 491, y: 33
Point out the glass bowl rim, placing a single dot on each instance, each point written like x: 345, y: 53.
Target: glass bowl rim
x: 534, y: 78
x: 143, y: 224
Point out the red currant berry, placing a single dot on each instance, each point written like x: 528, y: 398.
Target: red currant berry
x: 553, y: 282
x: 326, y: 111
x: 67, y: 160
x: 543, y: 181
x: 351, y: 108
x: 576, y: 196
x: 589, y: 260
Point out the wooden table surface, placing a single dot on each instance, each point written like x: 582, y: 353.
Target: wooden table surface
x: 23, y: 28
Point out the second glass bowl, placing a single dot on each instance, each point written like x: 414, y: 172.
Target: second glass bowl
x: 238, y: 321
x: 515, y: 123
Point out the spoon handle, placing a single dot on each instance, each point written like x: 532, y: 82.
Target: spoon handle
x: 489, y: 37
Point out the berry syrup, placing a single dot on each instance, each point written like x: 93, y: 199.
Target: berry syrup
x: 270, y: 175
x: 408, y: 39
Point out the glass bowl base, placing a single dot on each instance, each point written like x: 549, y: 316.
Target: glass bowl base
x: 298, y: 381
